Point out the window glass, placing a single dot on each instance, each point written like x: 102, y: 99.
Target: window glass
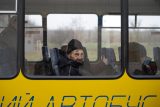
x: 111, y: 38
x: 115, y: 21
x: 148, y: 21
x: 78, y: 31
x: 131, y: 21
x: 33, y: 37
x: 144, y: 39
x: 64, y: 27
x: 111, y: 45
x: 8, y: 46
x: 72, y: 39
x: 33, y: 44
x: 144, y: 50
x: 33, y: 21
x: 111, y: 21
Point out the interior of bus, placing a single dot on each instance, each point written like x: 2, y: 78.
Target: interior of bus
x: 49, y: 26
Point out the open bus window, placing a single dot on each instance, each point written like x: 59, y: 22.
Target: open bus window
x: 144, y: 47
x: 8, y: 46
x: 111, y: 43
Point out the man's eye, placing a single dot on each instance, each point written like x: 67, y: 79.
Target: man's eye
x: 76, y: 54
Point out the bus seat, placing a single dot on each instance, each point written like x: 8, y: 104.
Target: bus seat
x: 54, y: 54
x: 45, y: 54
x: 42, y: 67
x: 110, y: 55
x: 39, y: 68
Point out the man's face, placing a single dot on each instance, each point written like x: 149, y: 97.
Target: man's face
x: 77, y: 55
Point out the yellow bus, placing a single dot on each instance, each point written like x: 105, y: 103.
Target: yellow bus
x: 119, y: 64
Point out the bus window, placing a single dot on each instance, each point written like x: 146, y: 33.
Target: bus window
x: 67, y: 34
x: 8, y: 45
x: 144, y: 47
x: 111, y: 41
x: 33, y: 37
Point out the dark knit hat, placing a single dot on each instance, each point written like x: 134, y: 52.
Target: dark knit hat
x: 73, y: 45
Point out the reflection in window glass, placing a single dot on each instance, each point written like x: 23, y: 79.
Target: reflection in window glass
x: 148, y: 21
x: 8, y: 47
x: 144, y: 50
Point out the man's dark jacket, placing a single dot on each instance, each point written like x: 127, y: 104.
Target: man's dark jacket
x: 68, y: 67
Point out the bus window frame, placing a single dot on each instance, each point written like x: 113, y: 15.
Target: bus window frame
x: 19, y: 12
x: 124, y: 9
x: 106, y: 77
x: 141, y: 77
